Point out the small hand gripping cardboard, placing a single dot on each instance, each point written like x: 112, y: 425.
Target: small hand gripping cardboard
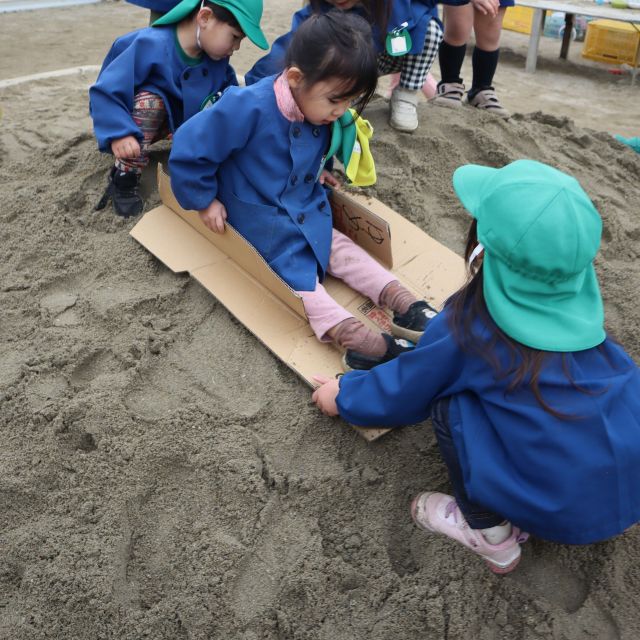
x: 235, y: 273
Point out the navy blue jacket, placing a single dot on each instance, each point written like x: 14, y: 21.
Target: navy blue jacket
x: 150, y: 59
x: 570, y: 480
x: 417, y: 13
x: 161, y: 6
x: 264, y: 169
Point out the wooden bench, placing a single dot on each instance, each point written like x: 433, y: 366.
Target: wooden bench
x: 570, y: 9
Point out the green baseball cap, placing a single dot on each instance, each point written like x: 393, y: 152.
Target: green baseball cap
x: 540, y: 233
x: 248, y: 13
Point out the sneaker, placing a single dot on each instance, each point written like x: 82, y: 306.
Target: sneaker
x: 449, y: 95
x: 123, y: 190
x: 354, y: 360
x: 411, y: 324
x: 439, y: 513
x: 404, y: 109
x: 488, y: 101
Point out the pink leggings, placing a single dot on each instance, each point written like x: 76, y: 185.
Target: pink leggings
x: 354, y: 266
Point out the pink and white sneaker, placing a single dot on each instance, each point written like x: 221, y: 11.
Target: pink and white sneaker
x: 439, y: 513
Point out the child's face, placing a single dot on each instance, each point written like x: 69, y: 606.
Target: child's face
x: 217, y: 39
x: 320, y: 103
x: 344, y: 5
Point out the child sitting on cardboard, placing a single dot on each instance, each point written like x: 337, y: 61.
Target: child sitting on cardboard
x: 257, y: 157
x: 154, y: 79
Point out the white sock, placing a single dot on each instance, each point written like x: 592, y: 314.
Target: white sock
x: 497, y: 534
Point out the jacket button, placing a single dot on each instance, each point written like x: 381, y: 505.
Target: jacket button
x: 296, y: 132
x: 301, y: 218
x: 308, y: 178
x: 294, y: 180
x: 186, y: 75
x: 315, y: 132
x: 322, y: 205
x: 205, y: 72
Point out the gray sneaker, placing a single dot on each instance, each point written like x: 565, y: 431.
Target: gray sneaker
x: 487, y: 100
x: 449, y: 95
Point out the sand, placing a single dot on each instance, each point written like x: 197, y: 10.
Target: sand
x: 163, y: 476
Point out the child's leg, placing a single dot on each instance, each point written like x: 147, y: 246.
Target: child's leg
x: 485, y: 61
x: 474, y: 526
x: 415, y: 68
x: 150, y: 114
x: 361, y: 272
x: 458, y: 22
x: 333, y: 323
x: 477, y: 516
x: 352, y: 264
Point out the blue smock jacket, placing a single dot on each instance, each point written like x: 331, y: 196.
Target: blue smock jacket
x: 416, y: 13
x: 150, y: 60
x: 161, y: 6
x: 573, y: 480
x: 264, y: 169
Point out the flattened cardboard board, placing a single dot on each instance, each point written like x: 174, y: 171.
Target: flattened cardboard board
x: 235, y: 273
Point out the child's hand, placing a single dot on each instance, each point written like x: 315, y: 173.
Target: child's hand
x: 325, y: 395
x: 329, y: 178
x: 214, y: 216
x: 127, y: 147
x: 487, y: 7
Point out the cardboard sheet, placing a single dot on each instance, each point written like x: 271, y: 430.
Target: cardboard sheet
x: 233, y: 271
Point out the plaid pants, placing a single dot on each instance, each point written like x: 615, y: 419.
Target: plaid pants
x: 150, y: 114
x: 414, y: 68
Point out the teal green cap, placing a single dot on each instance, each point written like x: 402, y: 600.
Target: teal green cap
x: 540, y: 233
x: 248, y: 13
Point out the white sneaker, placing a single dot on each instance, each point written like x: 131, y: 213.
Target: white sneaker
x: 404, y: 112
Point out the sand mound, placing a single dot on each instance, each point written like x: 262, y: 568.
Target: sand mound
x: 164, y: 476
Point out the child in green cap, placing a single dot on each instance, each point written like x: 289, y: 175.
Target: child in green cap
x: 154, y: 79
x: 535, y: 410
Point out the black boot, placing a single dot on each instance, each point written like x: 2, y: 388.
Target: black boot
x: 123, y: 192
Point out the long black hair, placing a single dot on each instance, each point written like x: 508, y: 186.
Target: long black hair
x: 525, y: 364
x: 336, y: 44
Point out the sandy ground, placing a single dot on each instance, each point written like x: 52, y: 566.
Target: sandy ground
x: 163, y: 476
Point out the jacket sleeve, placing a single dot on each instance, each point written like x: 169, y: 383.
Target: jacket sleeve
x: 206, y: 140
x: 111, y: 97
x: 273, y: 62
x: 401, y: 391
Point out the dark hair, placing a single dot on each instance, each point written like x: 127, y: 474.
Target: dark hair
x: 219, y: 13
x: 336, y: 44
x: 525, y: 364
x: 377, y: 12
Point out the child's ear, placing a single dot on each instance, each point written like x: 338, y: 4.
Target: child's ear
x: 203, y: 16
x: 294, y: 77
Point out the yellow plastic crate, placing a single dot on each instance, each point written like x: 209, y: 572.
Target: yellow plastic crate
x: 518, y: 19
x: 612, y: 41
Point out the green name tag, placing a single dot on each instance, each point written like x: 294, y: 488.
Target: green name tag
x: 398, y: 41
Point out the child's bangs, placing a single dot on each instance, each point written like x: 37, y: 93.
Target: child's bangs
x: 358, y: 74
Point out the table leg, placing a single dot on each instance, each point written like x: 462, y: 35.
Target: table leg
x: 537, y: 25
x: 566, y: 36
